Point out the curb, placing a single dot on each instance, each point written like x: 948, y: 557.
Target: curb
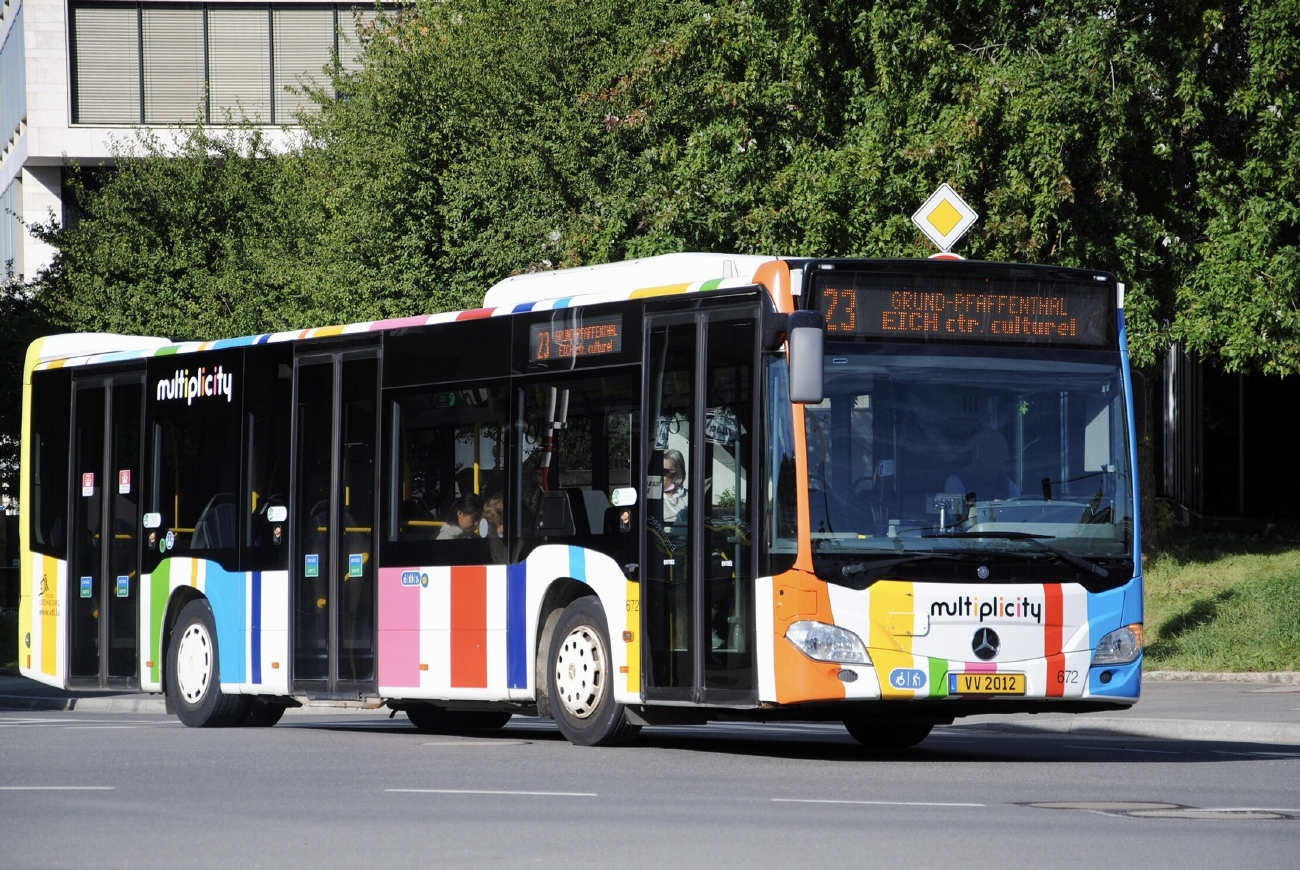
x: 1277, y: 678
x: 1269, y: 733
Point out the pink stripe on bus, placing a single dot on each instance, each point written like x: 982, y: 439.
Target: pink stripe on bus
x: 399, y: 629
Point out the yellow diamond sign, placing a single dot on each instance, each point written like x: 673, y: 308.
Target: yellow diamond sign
x: 944, y: 218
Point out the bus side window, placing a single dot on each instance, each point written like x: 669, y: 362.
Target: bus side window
x: 580, y: 437
x: 446, y: 474
x: 268, y: 408
x: 194, y: 457
x: 51, y: 401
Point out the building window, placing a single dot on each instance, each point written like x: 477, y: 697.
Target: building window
x: 138, y: 63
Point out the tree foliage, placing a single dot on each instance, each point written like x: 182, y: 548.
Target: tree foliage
x: 488, y: 137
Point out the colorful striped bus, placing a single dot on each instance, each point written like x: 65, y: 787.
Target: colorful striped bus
x: 695, y: 487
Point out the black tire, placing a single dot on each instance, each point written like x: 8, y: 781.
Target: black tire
x: 262, y: 714
x: 580, y: 679
x: 194, y: 672
x: 436, y: 720
x: 886, y: 736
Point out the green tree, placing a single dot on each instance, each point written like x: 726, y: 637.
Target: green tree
x: 211, y: 235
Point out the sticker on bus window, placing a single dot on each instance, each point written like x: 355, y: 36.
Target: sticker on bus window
x: 123, y: 586
x: 277, y: 513
x: 625, y: 496
x: 87, y: 586
x: 356, y: 563
x: 152, y: 520
x: 170, y: 540
x: 88, y: 484
x: 311, y: 566
x: 124, y: 482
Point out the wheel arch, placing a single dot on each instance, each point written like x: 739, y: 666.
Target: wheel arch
x: 562, y: 592
x: 177, y: 602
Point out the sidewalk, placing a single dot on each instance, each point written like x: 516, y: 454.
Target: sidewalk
x: 1230, y: 708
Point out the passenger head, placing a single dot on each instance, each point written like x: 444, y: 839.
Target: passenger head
x: 494, y: 513
x: 466, y: 511
x: 674, y: 469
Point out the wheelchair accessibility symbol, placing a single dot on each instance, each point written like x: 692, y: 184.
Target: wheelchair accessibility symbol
x: 912, y: 679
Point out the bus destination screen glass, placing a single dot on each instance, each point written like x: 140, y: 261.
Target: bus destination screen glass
x: 967, y: 308
x: 568, y: 337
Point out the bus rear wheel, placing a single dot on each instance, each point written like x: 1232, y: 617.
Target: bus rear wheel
x: 194, y: 672
x: 436, y: 720
x: 580, y: 679
x: 886, y: 736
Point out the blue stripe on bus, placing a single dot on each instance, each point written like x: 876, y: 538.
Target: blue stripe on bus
x: 226, y: 593
x: 578, y: 563
x: 517, y: 626
x: 522, y: 307
x: 255, y: 630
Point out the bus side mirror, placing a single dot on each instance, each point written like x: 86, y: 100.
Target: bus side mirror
x: 805, y: 342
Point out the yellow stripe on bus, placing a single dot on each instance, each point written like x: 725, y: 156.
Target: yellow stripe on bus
x: 634, y: 645
x: 48, y: 590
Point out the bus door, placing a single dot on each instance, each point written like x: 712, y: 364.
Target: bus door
x: 332, y: 516
x: 104, y: 556
x: 697, y: 596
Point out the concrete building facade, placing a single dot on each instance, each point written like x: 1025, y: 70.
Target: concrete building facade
x: 78, y: 75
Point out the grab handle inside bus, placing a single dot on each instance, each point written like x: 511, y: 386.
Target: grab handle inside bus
x: 806, y: 339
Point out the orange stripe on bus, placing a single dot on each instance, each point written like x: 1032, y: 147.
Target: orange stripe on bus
x: 1054, y: 638
x: 469, y: 626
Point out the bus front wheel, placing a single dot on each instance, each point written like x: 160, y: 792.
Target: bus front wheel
x: 580, y: 679
x: 886, y: 736
x: 194, y: 672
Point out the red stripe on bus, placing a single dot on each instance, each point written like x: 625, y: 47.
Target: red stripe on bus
x: 475, y: 314
x: 469, y: 626
x: 1053, y: 639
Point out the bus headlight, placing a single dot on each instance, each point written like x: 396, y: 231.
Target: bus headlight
x: 1119, y: 647
x: 827, y: 643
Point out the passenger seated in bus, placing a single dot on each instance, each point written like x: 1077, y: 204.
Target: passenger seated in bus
x: 675, y: 497
x: 462, y: 518
x: 494, y: 515
x: 985, y: 471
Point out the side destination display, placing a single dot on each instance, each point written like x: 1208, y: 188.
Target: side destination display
x: 572, y: 337
x: 934, y: 308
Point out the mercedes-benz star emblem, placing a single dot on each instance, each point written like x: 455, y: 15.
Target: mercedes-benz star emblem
x: 985, y: 644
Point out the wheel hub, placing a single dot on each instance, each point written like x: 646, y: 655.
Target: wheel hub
x: 580, y: 672
x: 194, y: 663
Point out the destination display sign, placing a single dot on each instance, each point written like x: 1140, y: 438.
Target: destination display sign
x: 967, y: 308
x: 565, y: 339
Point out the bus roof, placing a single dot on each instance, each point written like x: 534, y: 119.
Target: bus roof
x: 641, y: 274
x: 663, y: 275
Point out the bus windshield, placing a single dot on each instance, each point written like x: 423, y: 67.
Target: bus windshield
x: 949, y: 453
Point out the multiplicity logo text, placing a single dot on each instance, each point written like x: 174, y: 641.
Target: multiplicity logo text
x: 204, y: 384
x: 990, y: 608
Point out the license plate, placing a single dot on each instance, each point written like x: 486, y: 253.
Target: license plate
x: 986, y: 684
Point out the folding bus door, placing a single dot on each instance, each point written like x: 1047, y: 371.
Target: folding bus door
x: 104, y: 556
x: 333, y: 572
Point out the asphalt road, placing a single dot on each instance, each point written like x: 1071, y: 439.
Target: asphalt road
x: 80, y: 789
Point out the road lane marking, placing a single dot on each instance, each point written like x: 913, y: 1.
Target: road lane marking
x: 873, y: 803
x: 482, y: 791
x: 56, y: 787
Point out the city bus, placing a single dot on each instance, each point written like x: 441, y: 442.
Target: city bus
x: 681, y: 489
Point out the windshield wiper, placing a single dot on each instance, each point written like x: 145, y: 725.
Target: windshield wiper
x: 873, y: 570
x: 1079, y: 562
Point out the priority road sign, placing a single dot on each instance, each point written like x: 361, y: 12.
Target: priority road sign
x: 944, y: 218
